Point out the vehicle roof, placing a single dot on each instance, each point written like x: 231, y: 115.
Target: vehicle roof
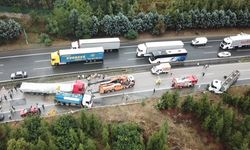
x: 19, y: 72
x: 168, y: 52
x: 98, y: 40
x: 186, y: 78
x: 81, y: 51
x: 201, y: 38
x: 240, y: 37
x: 163, y: 43
x: 165, y: 65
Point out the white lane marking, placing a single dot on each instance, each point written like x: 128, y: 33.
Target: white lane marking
x: 243, y: 70
x: 129, y: 52
x: 210, y: 52
x: 42, y: 60
x: 243, y: 50
x: 135, y: 58
x: 130, y: 46
x: 16, y: 56
x: 1, y: 65
x: 204, y: 47
x: 42, y: 68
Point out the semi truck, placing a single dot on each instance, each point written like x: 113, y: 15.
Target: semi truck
x: 84, y: 100
x: 161, y: 68
x: 108, y: 44
x: 147, y: 48
x: 234, y: 42
x: 51, y: 88
x: 219, y: 87
x: 117, y: 83
x: 77, y: 55
x: 187, y: 81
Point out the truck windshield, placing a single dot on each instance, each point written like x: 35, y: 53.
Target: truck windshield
x: 212, y: 85
x: 152, y: 58
x: 224, y: 42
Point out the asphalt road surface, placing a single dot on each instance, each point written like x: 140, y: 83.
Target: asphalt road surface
x: 140, y: 91
x: 38, y: 63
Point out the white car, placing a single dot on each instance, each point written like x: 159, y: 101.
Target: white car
x: 19, y: 75
x: 224, y: 54
x: 199, y: 41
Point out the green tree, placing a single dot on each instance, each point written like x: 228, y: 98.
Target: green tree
x: 126, y: 136
x: 188, y: 104
x: 73, y: 20
x: 159, y: 139
x: 105, y: 135
x: 41, y: 145
x: 19, y: 144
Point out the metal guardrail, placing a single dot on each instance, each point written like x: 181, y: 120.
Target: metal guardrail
x: 125, y: 69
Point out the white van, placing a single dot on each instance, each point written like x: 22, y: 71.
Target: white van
x: 199, y: 41
x: 161, y: 68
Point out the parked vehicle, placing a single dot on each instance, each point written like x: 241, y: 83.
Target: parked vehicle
x: 117, y: 83
x: 74, y: 99
x: 161, y: 68
x: 19, y: 75
x: 2, y: 117
x: 50, y: 88
x: 219, y: 87
x: 187, y: 81
x: 199, y: 41
x: 165, y: 56
x: 224, y: 54
x: 77, y: 55
x: 108, y: 44
x: 147, y: 48
x: 33, y: 110
x: 234, y: 42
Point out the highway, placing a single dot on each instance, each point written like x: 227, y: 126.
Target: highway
x: 140, y: 91
x: 37, y: 62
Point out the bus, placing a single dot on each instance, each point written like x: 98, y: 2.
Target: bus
x: 168, y: 56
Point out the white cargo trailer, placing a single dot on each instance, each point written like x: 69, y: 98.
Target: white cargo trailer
x: 108, y: 44
x: 238, y: 41
x: 147, y: 48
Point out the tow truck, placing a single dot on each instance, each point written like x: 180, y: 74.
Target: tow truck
x: 117, y: 83
x: 187, y: 81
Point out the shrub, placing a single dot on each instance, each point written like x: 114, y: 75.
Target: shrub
x: 44, y: 38
x: 131, y: 34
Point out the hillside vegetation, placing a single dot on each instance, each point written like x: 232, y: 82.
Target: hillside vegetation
x: 73, y: 19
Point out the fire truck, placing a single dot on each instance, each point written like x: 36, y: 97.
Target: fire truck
x: 183, y: 82
x: 117, y: 83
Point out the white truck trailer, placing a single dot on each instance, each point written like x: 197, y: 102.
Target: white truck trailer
x: 234, y: 42
x: 108, y: 44
x: 51, y: 88
x: 147, y: 48
x: 219, y: 87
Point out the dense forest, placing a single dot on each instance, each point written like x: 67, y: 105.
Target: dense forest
x: 85, y: 132
x: 228, y: 120
x: 73, y: 19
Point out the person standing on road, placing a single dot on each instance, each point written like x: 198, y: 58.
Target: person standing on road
x: 5, y: 97
x: 11, y: 96
x: 154, y: 91
x: 203, y: 74
x: 43, y: 106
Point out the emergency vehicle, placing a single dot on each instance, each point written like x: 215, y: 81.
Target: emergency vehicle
x: 183, y: 82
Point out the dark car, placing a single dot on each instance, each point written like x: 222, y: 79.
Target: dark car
x: 19, y: 75
x: 1, y: 116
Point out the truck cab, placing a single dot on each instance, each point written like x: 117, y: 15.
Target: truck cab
x: 141, y: 50
x: 161, y: 68
x: 55, y: 58
x: 226, y: 44
x: 87, y: 101
x: 215, y: 86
